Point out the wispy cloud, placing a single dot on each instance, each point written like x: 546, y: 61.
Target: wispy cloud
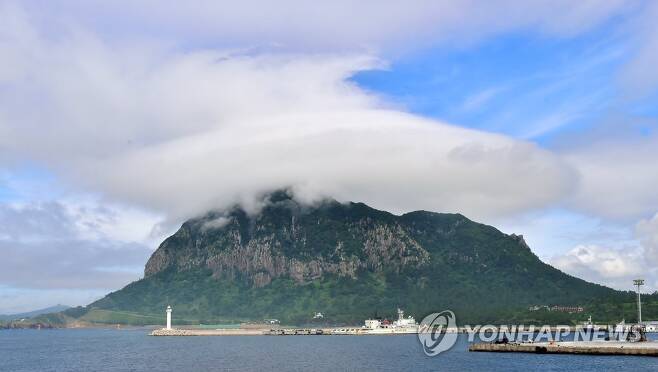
x: 640, y: 76
x: 477, y: 100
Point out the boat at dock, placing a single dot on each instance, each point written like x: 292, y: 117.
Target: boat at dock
x: 403, y: 325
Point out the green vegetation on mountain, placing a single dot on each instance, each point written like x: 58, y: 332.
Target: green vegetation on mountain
x: 348, y: 261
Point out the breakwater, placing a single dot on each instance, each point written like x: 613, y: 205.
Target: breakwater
x: 569, y: 347
x: 267, y: 332
x: 208, y: 332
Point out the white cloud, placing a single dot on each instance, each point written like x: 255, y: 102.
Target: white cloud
x: 98, y: 219
x: 556, y: 231
x: 608, y: 263
x: 640, y: 76
x: 216, y: 223
x: 334, y: 25
x: 647, y: 232
x: 614, y: 267
x: 57, y: 246
x: 183, y: 132
x: 210, y: 127
x: 617, y: 176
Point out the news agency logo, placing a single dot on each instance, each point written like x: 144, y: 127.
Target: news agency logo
x: 438, y: 332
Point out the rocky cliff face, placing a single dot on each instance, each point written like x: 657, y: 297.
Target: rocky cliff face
x: 280, y: 241
x: 348, y: 261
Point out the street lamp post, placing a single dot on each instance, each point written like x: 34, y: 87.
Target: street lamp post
x: 639, y: 283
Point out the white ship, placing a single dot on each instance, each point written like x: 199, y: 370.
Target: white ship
x: 401, y: 325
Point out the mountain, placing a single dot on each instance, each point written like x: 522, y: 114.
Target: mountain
x: 348, y: 261
x: 31, y: 314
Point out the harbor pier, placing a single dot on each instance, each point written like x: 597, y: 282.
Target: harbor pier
x: 207, y: 332
x: 649, y: 348
x: 354, y: 331
x: 244, y: 332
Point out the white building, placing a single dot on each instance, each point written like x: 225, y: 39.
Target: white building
x: 373, y: 323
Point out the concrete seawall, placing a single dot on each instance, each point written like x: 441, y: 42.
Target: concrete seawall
x: 565, y: 347
x: 269, y: 332
x: 207, y: 332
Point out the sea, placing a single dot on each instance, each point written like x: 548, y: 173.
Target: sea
x: 134, y: 350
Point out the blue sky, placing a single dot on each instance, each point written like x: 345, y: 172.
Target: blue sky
x: 525, y: 85
x: 536, y: 117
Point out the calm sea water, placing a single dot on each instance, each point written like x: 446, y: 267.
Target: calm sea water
x: 134, y: 350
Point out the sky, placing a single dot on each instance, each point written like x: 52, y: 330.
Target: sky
x: 119, y: 120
